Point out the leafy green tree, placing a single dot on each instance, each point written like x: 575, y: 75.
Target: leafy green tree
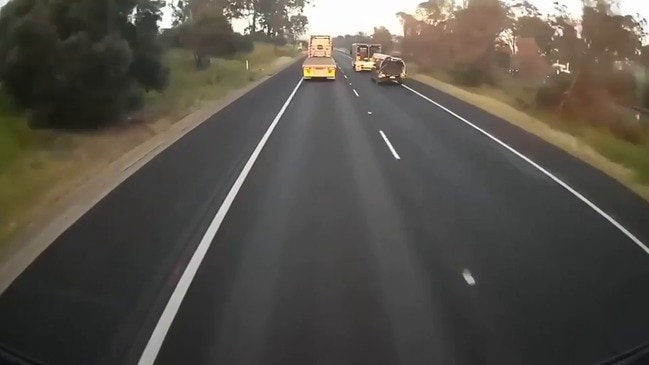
x: 80, y: 64
x: 298, y: 25
x: 537, y: 28
x: 383, y: 36
x: 209, y: 34
x: 272, y: 17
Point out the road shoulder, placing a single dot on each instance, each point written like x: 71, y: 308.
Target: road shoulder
x: 562, y: 140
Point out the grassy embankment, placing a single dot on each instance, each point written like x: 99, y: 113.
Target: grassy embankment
x: 37, y: 168
x: 626, y: 162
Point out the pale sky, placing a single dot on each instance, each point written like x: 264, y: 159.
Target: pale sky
x: 340, y: 17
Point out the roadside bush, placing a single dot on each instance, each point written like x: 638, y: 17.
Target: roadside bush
x: 170, y: 38
x: 260, y: 37
x: 621, y: 85
x: 265, y: 38
x: 551, y: 93
x: 243, y: 43
x: 470, y: 76
x: 278, y: 41
x: 628, y: 129
x: 59, y: 62
x: 188, y: 86
x: 210, y: 36
x: 6, y: 105
x: 10, y: 139
x: 548, y: 96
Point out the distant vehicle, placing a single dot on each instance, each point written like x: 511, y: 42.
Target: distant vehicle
x: 319, y: 62
x: 361, y: 59
x: 388, y: 69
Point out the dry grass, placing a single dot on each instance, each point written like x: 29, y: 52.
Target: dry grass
x: 627, y: 163
x: 39, y: 168
x: 43, y: 175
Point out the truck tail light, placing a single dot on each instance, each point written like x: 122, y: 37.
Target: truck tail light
x: 332, y: 70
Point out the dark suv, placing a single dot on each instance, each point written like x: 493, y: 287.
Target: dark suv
x: 389, y: 70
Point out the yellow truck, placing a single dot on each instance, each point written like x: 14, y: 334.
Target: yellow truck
x: 319, y: 62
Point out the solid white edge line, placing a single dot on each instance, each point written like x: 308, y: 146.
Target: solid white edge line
x: 166, y: 319
x: 540, y: 168
x: 394, y: 152
x: 355, y: 92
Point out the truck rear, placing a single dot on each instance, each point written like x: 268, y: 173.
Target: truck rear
x: 319, y: 62
x: 375, y: 48
x: 361, y: 60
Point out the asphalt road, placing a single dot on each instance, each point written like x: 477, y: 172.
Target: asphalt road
x: 373, y: 228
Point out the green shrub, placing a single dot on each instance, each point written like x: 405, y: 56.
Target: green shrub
x: 470, y: 76
x: 550, y: 94
x: 243, y: 43
x: 69, y: 72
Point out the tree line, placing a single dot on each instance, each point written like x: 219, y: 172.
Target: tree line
x: 86, y: 63
x: 588, y: 67
x: 380, y: 35
x: 205, y: 25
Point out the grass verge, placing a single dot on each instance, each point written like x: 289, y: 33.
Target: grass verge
x: 188, y: 88
x: 624, y: 161
x: 38, y: 168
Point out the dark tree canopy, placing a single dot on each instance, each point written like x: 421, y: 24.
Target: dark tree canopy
x: 79, y: 64
x: 85, y: 63
x: 599, y: 52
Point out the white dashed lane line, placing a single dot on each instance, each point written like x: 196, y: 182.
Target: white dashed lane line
x: 394, y: 152
x: 468, y: 277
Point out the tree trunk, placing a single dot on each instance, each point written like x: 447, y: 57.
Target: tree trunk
x: 569, y: 92
x: 201, y: 61
x: 253, y: 26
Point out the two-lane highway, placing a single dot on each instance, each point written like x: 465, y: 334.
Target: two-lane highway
x: 341, y: 223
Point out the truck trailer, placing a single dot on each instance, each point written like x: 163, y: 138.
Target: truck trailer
x: 319, y: 62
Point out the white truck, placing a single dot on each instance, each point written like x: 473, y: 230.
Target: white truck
x: 319, y: 62
x: 362, y: 54
x: 361, y: 60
